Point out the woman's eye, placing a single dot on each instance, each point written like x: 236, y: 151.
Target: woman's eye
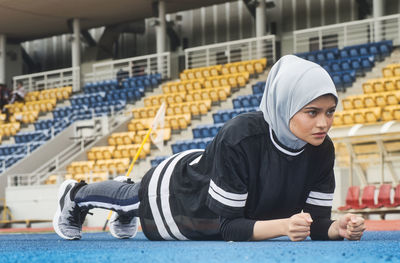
x: 330, y: 113
x: 312, y: 113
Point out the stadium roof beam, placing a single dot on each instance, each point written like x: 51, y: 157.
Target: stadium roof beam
x: 49, y: 18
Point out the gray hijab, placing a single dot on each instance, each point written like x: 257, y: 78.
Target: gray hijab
x: 292, y: 83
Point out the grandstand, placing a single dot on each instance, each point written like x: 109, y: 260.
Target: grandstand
x: 87, y: 120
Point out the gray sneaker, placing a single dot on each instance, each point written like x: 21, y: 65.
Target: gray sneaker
x: 68, y: 220
x: 123, y: 226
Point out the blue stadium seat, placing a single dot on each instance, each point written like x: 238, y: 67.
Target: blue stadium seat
x: 345, y: 65
x: 367, y: 63
x: 320, y: 57
x: 311, y: 57
x: 335, y: 66
x: 331, y: 54
x: 353, y: 52
x: 364, y: 51
x: 356, y: 65
x: 337, y: 81
x: 344, y: 53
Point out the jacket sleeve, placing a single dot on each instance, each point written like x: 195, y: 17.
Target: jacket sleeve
x: 236, y: 229
x: 227, y: 193
x: 320, y: 196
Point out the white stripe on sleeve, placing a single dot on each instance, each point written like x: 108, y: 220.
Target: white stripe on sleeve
x: 320, y: 195
x: 225, y: 201
x: 319, y: 202
x: 227, y: 195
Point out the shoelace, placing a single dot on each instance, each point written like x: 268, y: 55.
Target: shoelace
x: 75, y: 216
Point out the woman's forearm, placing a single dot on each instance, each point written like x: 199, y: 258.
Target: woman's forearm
x: 269, y: 229
x: 333, y: 231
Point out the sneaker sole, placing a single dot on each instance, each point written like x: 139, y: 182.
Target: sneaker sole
x: 56, y: 217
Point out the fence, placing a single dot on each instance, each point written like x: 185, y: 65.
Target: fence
x: 347, y: 34
x: 240, y: 50
x: 135, y: 66
x: 50, y: 79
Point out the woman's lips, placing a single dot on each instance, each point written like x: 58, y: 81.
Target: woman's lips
x: 319, y: 134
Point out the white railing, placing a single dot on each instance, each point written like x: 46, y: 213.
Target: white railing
x: 240, y: 50
x: 50, y: 79
x: 129, y: 67
x: 347, y: 34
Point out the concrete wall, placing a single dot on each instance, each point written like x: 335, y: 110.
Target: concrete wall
x: 40, y: 202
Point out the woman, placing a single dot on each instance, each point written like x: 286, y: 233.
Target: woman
x: 266, y: 174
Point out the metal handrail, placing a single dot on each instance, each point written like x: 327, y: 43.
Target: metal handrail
x: 148, y: 64
x: 350, y: 33
x: 251, y: 48
x: 50, y: 79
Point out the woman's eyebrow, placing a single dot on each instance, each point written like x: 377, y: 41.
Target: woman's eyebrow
x: 316, y: 108
x: 311, y: 108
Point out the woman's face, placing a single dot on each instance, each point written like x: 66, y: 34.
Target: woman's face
x: 312, y: 123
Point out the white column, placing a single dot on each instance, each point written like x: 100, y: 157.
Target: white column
x: 294, y: 5
x: 308, y: 13
x: 161, y: 34
x: 228, y: 21
x: 76, y: 53
x: 215, y: 22
x: 337, y: 11
x: 353, y: 10
x: 322, y: 12
x: 76, y: 44
x: 3, y: 59
x: 260, y: 26
x: 203, y: 25
x: 240, y: 14
x: 260, y: 18
x: 377, y: 11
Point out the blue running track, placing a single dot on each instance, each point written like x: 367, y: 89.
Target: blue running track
x: 102, y: 247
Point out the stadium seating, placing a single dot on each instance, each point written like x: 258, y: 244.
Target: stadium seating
x: 345, y: 64
x: 180, y: 146
x: 206, y: 131
x: 380, y: 101
x: 157, y: 160
x: 352, y: 198
x: 383, y: 196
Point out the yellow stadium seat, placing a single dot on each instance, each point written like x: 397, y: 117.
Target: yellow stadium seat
x: 183, y: 76
x: 368, y: 86
x: 359, y: 117
x: 378, y: 86
x: 388, y: 113
x: 391, y: 70
x: 389, y: 84
x: 347, y: 117
x: 348, y: 103
x: 337, y: 119
x: 373, y: 115
x: 369, y: 101
x: 358, y: 102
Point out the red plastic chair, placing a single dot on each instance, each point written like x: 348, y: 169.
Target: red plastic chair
x: 384, y: 196
x: 396, y: 197
x: 352, y: 198
x: 368, y: 197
